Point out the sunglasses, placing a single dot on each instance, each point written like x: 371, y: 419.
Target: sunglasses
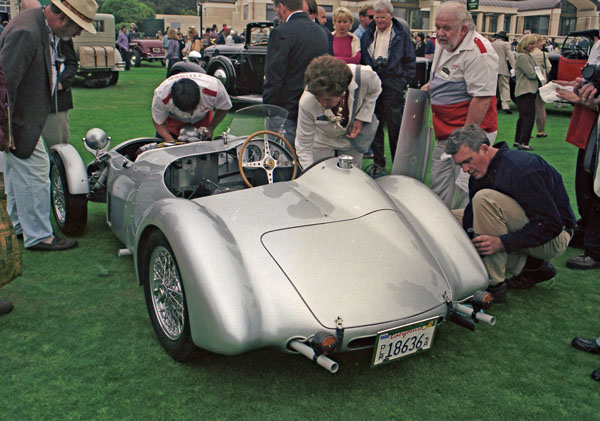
x: 371, y: 16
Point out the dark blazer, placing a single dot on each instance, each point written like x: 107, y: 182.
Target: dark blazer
x: 67, y: 76
x: 292, y: 45
x: 25, y: 56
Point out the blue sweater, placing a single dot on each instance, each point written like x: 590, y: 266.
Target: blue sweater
x: 536, y: 186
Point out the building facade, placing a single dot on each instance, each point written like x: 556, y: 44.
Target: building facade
x: 554, y: 18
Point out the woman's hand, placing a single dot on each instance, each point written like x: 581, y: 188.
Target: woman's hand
x: 356, y: 128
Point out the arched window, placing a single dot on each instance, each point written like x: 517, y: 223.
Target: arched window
x: 568, y: 18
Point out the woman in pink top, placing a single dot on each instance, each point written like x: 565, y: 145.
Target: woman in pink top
x: 346, y: 45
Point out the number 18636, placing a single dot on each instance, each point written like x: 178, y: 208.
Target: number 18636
x: 403, y: 341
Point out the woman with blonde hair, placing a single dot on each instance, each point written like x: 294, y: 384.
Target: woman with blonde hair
x: 346, y: 45
x: 525, y: 91
x: 192, y: 35
x: 543, y: 62
x: 173, y: 55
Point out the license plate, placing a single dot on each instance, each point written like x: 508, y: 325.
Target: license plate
x: 403, y: 341
x: 156, y: 50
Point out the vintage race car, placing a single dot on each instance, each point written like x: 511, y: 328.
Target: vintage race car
x: 238, y: 248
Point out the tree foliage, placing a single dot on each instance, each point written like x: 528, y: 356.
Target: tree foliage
x: 173, y: 7
x: 128, y: 10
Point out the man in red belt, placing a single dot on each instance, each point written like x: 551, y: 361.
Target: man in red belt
x: 188, y: 99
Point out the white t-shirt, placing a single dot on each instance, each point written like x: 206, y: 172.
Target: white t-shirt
x: 213, y: 95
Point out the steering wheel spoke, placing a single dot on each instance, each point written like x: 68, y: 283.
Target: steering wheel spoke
x: 268, y: 163
x: 253, y: 164
x: 284, y: 164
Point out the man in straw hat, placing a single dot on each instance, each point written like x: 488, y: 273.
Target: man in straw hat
x: 29, y: 56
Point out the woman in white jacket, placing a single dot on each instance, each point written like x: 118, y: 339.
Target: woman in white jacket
x: 336, y: 110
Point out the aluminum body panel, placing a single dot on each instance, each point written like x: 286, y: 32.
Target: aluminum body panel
x: 77, y: 179
x: 384, y: 284
x: 412, y: 153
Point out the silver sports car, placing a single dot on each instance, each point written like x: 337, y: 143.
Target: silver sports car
x: 238, y: 248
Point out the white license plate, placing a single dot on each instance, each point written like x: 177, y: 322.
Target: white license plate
x: 403, y: 341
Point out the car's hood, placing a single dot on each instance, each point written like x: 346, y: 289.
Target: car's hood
x: 366, y: 270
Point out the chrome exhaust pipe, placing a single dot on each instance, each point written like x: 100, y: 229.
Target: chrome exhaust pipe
x: 482, y: 317
x: 322, y: 360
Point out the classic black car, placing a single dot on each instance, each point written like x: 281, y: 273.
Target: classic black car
x: 241, y: 67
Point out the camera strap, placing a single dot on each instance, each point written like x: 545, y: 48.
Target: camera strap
x: 591, y: 150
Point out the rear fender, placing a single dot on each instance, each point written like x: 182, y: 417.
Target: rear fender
x: 223, y: 311
x: 449, y: 243
x: 77, y: 179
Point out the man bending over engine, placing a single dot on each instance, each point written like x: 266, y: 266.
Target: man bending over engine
x: 188, y: 99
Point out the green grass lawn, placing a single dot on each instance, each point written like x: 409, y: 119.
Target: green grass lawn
x: 79, y: 344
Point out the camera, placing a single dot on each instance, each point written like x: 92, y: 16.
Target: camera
x: 380, y: 63
x: 591, y: 74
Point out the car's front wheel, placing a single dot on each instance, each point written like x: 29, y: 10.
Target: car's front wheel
x: 114, y: 78
x: 165, y: 297
x: 70, y: 210
x: 222, y: 68
x: 135, y: 58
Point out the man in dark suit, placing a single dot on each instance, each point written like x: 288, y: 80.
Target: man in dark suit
x: 32, y: 83
x: 292, y: 45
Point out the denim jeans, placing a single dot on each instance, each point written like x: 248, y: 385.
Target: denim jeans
x: 28, y: 194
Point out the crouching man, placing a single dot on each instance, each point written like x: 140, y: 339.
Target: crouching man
x: 518, y: 212
x: 188, y: 99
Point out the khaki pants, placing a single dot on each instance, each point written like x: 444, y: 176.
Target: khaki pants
x: 56, y: 129
x: 540, y: 113
x: 497, y: 214
x: 504, y: 89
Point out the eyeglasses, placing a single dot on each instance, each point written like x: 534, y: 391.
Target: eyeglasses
x: 371, y: 16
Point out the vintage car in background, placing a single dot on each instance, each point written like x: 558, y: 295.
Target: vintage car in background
x: 574, y: 52
x: 237, y: 248
x: 241, y: 67
x: 99, y: 61
x: 145, y: 49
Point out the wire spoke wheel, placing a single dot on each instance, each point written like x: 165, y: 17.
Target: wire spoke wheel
x: 167, y: 295
x: 58, y: 196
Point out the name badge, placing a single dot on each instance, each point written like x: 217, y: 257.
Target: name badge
x: 444, y: 73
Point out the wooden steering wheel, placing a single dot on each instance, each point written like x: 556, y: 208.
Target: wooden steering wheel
x: 267, y: 162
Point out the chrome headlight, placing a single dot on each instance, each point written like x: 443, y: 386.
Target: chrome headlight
x: 96, y: 141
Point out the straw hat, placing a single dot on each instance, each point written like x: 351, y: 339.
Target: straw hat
x: 82, y: 12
